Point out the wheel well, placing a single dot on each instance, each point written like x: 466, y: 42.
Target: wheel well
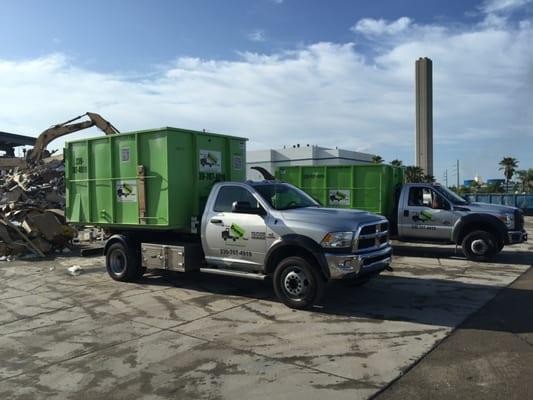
x: 479, y: 226
x: 290, y: 251
x: 127, y: 241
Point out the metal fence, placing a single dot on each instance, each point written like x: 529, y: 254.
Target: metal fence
x: 523, y: 201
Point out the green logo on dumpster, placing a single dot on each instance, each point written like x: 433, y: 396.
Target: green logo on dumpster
x: 339, y: 197
x: 210, y: 161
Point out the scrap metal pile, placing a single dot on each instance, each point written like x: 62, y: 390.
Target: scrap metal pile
x: 32, y: 200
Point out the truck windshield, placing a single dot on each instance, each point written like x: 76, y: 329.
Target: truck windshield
x: 451, y: 196
x: 282, y: 196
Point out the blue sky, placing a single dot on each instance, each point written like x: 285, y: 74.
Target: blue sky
x: 333, y: 73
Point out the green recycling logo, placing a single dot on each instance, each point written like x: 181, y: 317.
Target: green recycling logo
x: 210, y: 161
x: 126, y: 191
x: 339, y: 197
x: 424, y: 216
x: 233, y: 232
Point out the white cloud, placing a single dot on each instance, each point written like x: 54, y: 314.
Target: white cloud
x: 497, y: 12
x: 371, y: 26
x: 257, y: 36
x: 494, y: 6
x: 327, y: 94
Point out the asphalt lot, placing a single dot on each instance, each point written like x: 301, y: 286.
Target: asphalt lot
x: 207, y: 336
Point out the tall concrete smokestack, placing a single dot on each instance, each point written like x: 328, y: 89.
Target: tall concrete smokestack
x: 424, y: 114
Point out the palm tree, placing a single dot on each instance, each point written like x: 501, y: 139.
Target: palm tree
x: 414, y: 174
x: 508, y: 165
x: 396, y: 163
x: 474, y: 186
x: 526, y: 179
x: 377, y: 159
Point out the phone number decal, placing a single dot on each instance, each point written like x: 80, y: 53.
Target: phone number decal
x: 231, y: 252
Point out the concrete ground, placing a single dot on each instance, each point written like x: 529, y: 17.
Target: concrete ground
x: 206, y: 336
x: 490, y: 356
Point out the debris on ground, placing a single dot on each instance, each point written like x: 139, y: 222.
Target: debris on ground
x: 32, y: 199
x: 75, y: 270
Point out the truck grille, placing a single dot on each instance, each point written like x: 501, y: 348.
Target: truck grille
x: 372, y: 236
x: 519, y: 220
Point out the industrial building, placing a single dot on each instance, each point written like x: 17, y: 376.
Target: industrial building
x: 301, y: 155
x: 8, y: 143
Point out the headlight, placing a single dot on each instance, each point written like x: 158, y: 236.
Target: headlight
x: 508, y: 220
x: 337, y: 240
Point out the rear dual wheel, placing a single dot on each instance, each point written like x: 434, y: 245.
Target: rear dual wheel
x: 123, y: 262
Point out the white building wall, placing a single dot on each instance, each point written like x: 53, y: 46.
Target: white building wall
x: 300, y: 156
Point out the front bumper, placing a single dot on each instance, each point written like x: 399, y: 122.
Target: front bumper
x: 344, y: 266
x: 517, y: 236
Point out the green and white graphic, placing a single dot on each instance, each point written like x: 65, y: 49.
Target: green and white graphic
x: 126, y: 191
x: 424, y: 216
x: 210, y: 161
x: 234, y: 232
x: 339, y: 197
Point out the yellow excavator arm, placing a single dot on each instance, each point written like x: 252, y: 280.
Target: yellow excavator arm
x: 56, y: 131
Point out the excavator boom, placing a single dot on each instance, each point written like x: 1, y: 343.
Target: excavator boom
x: 56, y: 131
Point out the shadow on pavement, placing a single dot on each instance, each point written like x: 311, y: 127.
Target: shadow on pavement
x: 437, y: 302
x: 505, y: 257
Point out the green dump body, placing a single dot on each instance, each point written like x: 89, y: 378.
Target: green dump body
x: 152, y: 179
x: 369, y: 187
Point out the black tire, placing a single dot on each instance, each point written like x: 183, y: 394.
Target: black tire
x: 122, y: 263
x: 479, y: 246
x: 297, y: 283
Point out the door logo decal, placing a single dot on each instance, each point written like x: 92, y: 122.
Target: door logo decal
x: 424, y: 216
x: 233, y: 232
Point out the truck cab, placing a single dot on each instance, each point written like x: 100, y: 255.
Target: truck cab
x: 431, y: 212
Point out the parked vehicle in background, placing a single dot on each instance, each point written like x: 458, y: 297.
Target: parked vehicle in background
x: 417, y: 211
x: 166, y: 207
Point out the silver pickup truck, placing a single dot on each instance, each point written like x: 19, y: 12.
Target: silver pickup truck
x: 264, y: 230
x: 433, y: 213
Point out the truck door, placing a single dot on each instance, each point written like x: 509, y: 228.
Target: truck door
x: 234, y: 238
x: 425, y: 214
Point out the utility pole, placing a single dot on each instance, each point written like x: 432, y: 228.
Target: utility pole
x: 457, y: 174
x: 446, y: 177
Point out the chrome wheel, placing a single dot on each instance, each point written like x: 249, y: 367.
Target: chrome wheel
x: 479, y: 247
x: 295, y: 282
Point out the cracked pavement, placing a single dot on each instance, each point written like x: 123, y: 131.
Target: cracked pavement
x: 208, y: 336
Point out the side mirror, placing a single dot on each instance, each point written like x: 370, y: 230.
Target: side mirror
x: 244, y: 207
